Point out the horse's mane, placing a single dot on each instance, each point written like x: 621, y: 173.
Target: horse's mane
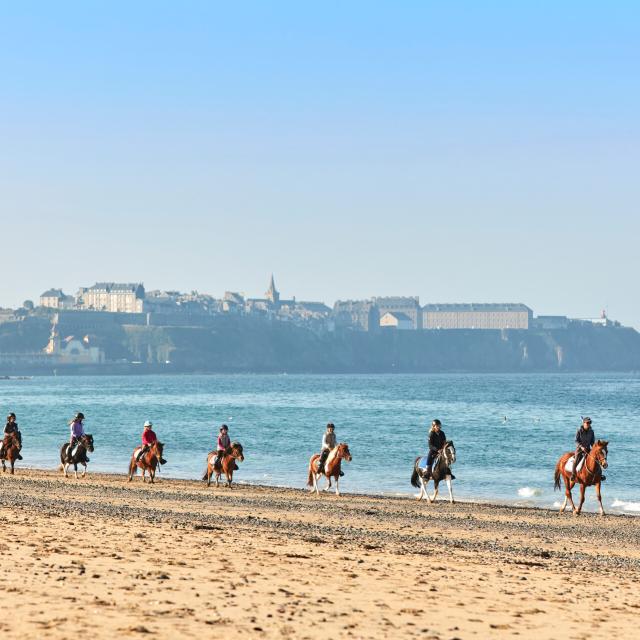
x: 231, y: 447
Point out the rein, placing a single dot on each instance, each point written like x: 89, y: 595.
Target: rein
x: 592, y: 472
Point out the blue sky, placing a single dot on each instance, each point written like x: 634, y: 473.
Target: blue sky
x: 459, y: 151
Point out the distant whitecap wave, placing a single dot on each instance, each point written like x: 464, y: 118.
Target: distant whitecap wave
x: 529, y: 492
x: 626, y: 505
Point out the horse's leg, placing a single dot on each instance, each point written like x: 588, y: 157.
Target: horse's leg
x: 599, y: 499
x: 582, y: 490
x: 420, y: 495
x: 435, y: 491
x: 337, y: 485
x: 65, y: 468
x: 451, y: 500
x: 75, y: 469
x: 209, y: 474
x: 568, y: 486
x: 217, y: 479
x: 84, y: 473
x: 4, y: 468
x: 13, y: 463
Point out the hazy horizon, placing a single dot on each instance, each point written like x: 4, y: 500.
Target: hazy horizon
x: 461, y: 153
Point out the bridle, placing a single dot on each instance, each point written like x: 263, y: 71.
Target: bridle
x: 596, y: 458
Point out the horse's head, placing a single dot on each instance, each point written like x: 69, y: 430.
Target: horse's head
x: 600, y: 452
x: 235, y: 450
x: 449, y: 453
x: 156, y: 449
x: 343, y: 452
x: 87, y: 441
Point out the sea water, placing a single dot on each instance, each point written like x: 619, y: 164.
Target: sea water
x: 509, y: 430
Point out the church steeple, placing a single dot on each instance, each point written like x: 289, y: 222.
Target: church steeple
x: 273, y: 295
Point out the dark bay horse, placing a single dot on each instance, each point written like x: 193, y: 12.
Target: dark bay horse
x: 441, y: 471
x: 79, y: 457
x: 148, y: 462
x: 11, y: 450
x: 227, y: 464
x: 590, y: 474
x: 332, y: 467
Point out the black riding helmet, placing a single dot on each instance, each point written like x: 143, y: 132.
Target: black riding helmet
x: 79, y: 416
x: 11, y: 415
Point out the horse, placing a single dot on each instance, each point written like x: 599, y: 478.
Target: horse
x: 148, y: 462
x: 440, y: 470
x: 589, y: 474
x: 10, y: 451
x: 331, y: 467
x: 85, y: 443
x: 227, y: 464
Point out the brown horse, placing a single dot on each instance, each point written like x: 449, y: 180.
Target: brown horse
x: 332, y: 467
x: 148, y: 462
x: 589, y: 474
x: 10, y: 451
x: 227, y: 464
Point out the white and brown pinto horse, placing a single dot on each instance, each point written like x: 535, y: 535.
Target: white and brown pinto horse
x: 10, y: 451
x: 149, y: 461
x: 84, y: 444
x: 332, y: 467
x: 226, y: 465
x: 590, y: 473
x: 441, y: 470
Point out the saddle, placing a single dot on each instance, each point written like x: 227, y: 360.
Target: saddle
x: 568, y: 467
x: 422, y: 463
x: 136, y: 452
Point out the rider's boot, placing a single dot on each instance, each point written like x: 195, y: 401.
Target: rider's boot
x: 162, y: 461
x: 603, y: 478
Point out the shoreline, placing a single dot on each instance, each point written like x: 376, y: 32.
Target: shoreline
x: 409, y: 495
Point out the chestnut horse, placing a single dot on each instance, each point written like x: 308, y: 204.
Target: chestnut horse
x: 79, y: 457
x: 332, y: 467
x: 589, y: 474
x: 148, y: 462
x: 441, y: 470
x: 227, y: 464
x: 11, y: 450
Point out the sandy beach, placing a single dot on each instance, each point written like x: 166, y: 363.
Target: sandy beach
x: 104, y: 557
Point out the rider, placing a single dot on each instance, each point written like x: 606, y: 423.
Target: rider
x: 329, y: 441
x: 437, y: 441
x: 148, y: 438
x: 584, y: 441
x: 224, y: 442
x: 77, y: 431
x: 11, y: 427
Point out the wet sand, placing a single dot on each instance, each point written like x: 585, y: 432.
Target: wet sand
x: 105, y: 558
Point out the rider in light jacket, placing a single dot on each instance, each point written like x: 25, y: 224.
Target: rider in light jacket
x: 224, y: 442
x: 77, y: 431
x: 329, y: 441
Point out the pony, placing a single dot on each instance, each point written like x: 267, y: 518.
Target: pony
x: 441, y: 470
x: 227, y: 464
x: 148, y: 462
x: 85, y: 443
x: 11, y: 450
x: 331, y: 467
x: 589, y: 474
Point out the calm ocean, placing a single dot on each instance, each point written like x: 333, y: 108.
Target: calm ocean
x: 508, y: 429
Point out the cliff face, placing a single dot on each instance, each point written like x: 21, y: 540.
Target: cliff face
x: 278, y: 347
x: 254, y: 345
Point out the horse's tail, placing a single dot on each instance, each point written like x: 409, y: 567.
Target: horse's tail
x: 415, y: 478
x: 310, y: 478
x: 558, y: 474
x: 132, y: 466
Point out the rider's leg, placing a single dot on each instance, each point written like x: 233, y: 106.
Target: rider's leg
x: 142, y: 451
x: 324, y: 454
x: 577, y: 456
x: 429, y: 469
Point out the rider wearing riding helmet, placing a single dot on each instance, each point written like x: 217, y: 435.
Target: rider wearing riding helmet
x: 10, y: 428
x: 584, y: 441
x: 224, y: 442
x: 77, y: 431
x: 148, y: 438
x: 437, y: 441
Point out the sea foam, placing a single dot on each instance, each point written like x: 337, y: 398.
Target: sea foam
x: 625, y: 505
x: 529, y: 492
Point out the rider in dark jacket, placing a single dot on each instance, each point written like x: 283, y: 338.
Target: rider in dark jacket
x: 437, y: 440
x: 10, y: 428
x: 584, y: 441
